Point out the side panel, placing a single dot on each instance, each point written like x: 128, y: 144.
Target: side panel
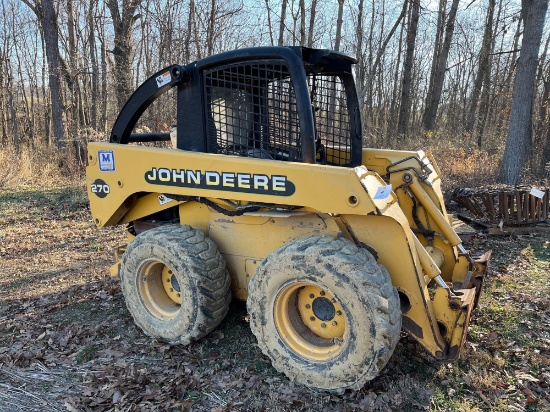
x: 182, y: 173
x: 246, y: 240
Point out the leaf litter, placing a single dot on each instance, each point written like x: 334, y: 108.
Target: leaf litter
x: 67, y: 342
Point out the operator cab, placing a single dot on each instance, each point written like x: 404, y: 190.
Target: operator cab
x: 278, y: 103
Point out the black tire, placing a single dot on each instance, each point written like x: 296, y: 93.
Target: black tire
x: 194, y: 266
x: 322, y: 271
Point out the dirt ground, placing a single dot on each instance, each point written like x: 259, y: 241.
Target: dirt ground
x: 67, y: 342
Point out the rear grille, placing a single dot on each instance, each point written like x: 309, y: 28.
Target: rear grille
x: 332, y: 118
x: 251, y: 111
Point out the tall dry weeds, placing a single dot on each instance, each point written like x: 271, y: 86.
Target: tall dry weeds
x: 37, y: 165
x: 462, y: 164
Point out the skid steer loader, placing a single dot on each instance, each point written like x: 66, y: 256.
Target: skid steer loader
x: 265, y: 193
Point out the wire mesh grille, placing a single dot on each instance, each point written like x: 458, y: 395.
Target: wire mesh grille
x: 332, y: 120
x: 252, y: 111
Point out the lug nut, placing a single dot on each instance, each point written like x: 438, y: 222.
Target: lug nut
x: 312, y: 318
x: 144, y: 278
x: 308, y: 306
x: 339, y: 313
x: 334, y: 324
x: 169, y: 271
x: 179, y: 295
x: 167, y: 280
x: 322, y: 293
x: 311, y: 295
x: 323, y: 325
x: 171, y: 290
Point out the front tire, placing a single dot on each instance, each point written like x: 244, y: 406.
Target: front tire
x: 325, y: 313
x: 175, y: 283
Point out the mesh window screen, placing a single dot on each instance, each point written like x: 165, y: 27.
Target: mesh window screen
x: 251, y: 111
x: 332, y: 120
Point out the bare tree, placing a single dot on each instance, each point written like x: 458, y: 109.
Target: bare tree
x: 339, y: 21
x: 483, y: 68
x: 302, y: 22
x: 282, y: 23
x: 93, y: 60
x: 124, y: 16
x: 48, y: 19
x: 391, y: 72
x: 311, y: 22
x: 268, y: 9
x: 405, y: 106
x: 51, y: 36
x: 433, y: 99
x: 520, y: 125
x: 210, y: 35
x: 3, y: 98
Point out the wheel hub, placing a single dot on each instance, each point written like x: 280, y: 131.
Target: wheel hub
x: 323, y: 308
x: 157, y: 291
x: 171, y: 285
x: 310, y: 320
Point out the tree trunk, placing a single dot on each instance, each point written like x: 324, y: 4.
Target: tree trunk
x: 433, y: 104
x: 4, y: 138
x: 282, y: 23
x: 13, y: 108
x: 545, y: 162
x: 508, y: 84
x: 51, y: 38
x: 405, y: 106
x: 122, y: 25
x: 311, y: 23
x: 190, y: 24
x: 210, y: 33
x: 440, y: 29
x: 302, y: 23
x: 339, y: 21
x: 483, y: 67
x: 70, y: 74
x: 359, y: 34
x: 543, y: 78
x: 520, y: 125
x: 367, y: 90
x: 93, y: 61
x: 395, y: 91
x: 268, y: 9
x: 103, y: 119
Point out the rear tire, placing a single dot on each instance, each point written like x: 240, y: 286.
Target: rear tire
x: 325, y: 313
x: 175, y: 283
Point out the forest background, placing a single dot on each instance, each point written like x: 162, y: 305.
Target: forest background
x: 437, y: 75
x: 468, y: 80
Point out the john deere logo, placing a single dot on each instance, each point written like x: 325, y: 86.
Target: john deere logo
x: 276, y: 185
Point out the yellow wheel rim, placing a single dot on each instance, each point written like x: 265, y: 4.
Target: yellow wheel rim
x: 310, y: 320
x: 159, y: 290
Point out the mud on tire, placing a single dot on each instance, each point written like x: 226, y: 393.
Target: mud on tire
x: 325, y: 313
x: 162, y: 260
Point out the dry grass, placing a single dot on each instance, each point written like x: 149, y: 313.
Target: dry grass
x: 462, y: 163
x: 38, y: 165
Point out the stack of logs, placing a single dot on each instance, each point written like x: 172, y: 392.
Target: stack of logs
x: 508, y: 206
